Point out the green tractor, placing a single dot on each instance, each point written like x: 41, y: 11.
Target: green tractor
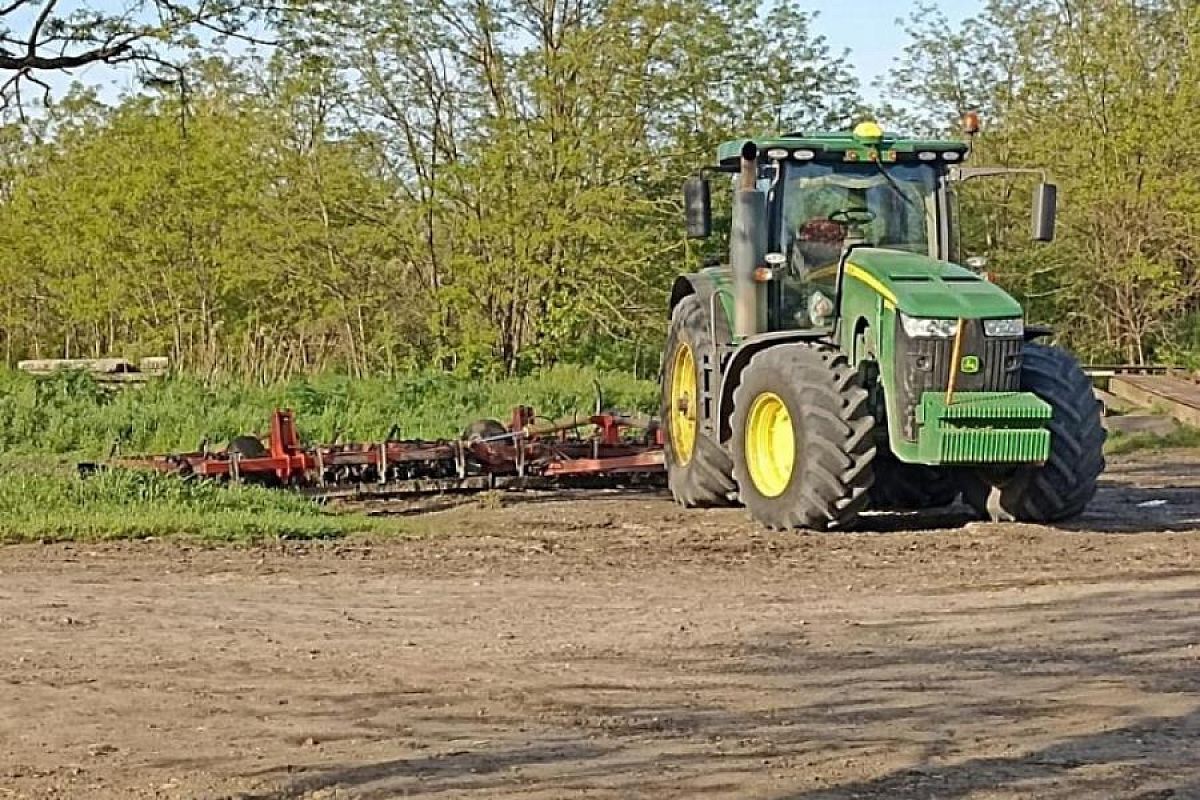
x: 841, y: 361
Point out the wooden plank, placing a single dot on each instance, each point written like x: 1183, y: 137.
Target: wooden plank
x: 1108, y: 370
x: 155, y: 365
x: 1179, y: 398
x: 104, y: 370
x: 1142, y: 423
x: 104, y: 366
x: 1113, y: 404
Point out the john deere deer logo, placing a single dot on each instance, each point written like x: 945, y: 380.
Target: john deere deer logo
x: 969, y: 365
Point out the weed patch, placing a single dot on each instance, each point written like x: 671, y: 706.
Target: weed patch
x: 1120, y: 444
x: 70, y: 413
x: 120, y: 504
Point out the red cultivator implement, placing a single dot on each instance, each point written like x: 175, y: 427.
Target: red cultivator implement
x: 596, y: 451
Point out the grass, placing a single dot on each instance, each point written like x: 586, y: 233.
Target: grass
x: 1121, y: 444
x: 57, y: 505
x: 47, y: 422
x: 69, y: 413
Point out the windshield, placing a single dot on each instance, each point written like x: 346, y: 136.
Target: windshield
x: 900, y: 213
x: 904, y: 208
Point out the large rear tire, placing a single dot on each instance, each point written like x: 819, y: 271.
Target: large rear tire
x: 802, y: 438
x: 1063, y: 486
x: 699, y: 471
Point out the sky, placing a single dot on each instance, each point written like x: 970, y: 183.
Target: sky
x: 869, y: 30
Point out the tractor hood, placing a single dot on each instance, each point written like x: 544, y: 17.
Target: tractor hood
x: 924, y: 287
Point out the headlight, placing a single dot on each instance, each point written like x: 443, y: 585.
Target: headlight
x: 1004, y: 327
x: 918, y: 328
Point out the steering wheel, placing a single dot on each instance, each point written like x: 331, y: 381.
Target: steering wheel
x: 856, y: 215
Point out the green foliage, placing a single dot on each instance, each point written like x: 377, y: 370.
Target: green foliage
x: 475, y: 186
x: 491, y: 188
x: 54, y: 505
x: 1183, y: 436
x: 69, y: 413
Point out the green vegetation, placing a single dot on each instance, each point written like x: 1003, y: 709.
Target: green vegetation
x: 484, y: 187
x: 51, y: 505
x: 41, y: 498
x: 1183, y: 436
x: 70, y: 413
x: 490, y: 188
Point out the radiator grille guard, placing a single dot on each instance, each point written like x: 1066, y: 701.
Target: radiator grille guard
x: 983, y: 428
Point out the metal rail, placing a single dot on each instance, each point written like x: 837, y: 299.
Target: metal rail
x: 1108, y: 370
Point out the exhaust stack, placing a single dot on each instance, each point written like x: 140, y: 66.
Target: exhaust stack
x: 748, y: 248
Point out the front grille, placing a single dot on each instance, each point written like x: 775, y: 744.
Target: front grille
x: 923, y: 365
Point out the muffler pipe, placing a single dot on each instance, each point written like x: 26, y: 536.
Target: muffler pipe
x: 748, y: 248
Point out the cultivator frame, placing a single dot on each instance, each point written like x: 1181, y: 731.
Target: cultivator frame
x: 620, y: 451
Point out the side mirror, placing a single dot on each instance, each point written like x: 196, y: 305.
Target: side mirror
x: 697, y: 202
x: 1045, y: 209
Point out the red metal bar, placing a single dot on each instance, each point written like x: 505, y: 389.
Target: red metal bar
x: 651, y: 461
x: 284, y: 444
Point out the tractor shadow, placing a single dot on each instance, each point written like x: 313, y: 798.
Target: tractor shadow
x: 1154, y: 497
x: 948, y: 518
x: 503, y: 498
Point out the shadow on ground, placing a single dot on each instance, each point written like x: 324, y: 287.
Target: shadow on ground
x: 951, y: 702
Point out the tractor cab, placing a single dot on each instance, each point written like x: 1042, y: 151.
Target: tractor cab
x: 825, y: 192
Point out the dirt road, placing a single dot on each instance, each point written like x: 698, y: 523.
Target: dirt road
x: 621, y: 648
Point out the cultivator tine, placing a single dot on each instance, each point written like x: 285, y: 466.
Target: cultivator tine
x: 460, y: 459
x: 526, y: 455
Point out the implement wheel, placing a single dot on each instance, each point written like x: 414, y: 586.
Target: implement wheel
x: 483, y: 429
x: 802, y: 438
x: 1066, y: 483
x: 248, y: 447
x: 698, y: 468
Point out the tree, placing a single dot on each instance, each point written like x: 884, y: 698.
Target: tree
x: 540, y: 147
x: 1096, y: 91
x: 43, y: 36
x: 483, y: 185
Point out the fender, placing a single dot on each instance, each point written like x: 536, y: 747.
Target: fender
x: 705, y: 286
x: 714, y: 293
x: 715, y: 298
x: 1035, y: 332
x: 732, y: 374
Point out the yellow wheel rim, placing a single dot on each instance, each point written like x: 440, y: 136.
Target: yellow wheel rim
x: 770, y: 444
x: 684, y: 404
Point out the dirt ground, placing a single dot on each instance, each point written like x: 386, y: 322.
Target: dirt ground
x: 618, y: 647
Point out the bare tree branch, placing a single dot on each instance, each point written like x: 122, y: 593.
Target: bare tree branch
x: 66, y: 35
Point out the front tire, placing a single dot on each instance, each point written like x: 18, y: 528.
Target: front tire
x: 699, y: 471
x: 802, y: 438
x: 1063, y: 486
